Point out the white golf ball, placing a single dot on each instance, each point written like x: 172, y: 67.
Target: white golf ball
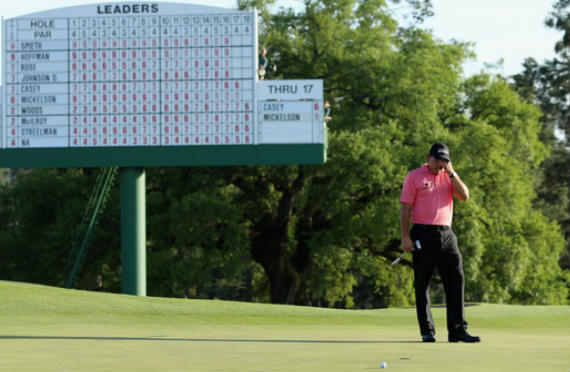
x: 383, y: 365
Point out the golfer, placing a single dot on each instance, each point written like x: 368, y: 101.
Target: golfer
x: 427, y: 200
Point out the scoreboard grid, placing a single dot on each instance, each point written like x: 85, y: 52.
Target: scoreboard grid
x: 157, y: 80
x: 171, y: 85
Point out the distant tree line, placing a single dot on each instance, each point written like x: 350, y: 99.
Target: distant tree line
x: 325, y: 235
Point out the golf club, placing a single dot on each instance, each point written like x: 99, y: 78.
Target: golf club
x: 418, y: 246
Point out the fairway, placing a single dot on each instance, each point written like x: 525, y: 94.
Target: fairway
x: 52, y: 329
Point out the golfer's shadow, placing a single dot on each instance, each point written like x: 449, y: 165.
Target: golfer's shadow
x: 176, y: 339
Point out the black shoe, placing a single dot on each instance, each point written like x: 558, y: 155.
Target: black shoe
x: 465, y: 337
x: 428, y: 338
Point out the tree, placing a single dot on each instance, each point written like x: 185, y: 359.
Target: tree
x: 197, y: 242
x: 547, y: 85
x: 38, y: 216
x: 325, y: 235
x: 315, y: 228
x: 555, y: 73
x: 510, y: 244
x: 394, y: 89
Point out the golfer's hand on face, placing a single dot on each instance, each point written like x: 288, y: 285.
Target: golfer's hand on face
x: 448, y: 168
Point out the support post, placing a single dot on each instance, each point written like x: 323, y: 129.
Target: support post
x: 133, y: 231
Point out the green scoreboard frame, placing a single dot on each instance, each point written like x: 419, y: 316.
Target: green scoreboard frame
x: 271, y: 154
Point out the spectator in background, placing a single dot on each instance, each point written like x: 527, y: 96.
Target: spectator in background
x: 327, y: 111
x: 262, y: 63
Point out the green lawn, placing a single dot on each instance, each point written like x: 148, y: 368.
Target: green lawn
x: 51, y: 329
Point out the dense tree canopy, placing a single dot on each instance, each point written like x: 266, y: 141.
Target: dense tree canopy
x: 325, y: 235
x: 547, y: 85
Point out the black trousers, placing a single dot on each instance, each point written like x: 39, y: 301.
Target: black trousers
x: 439, y: 249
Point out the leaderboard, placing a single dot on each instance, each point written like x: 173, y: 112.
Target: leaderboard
x: 150, y: 74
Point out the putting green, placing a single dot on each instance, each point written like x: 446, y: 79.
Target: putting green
x: 51, y: 329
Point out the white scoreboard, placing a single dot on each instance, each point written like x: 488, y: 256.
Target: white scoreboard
x: 144, y: 78
x: 152, y: 74
x: 290, y: 111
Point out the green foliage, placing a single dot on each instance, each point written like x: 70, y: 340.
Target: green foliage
x: 510, y: 243
x: 34, y: 233
x: 325, y: 235
x: 546, y: 84
x: 199, y: 255
x: 197, y: 238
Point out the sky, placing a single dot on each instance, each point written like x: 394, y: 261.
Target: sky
x: 501, y: 29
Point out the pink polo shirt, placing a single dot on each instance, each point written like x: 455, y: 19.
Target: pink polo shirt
x: 431, y: 196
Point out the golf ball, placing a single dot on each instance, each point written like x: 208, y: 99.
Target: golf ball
x: 383, y: 365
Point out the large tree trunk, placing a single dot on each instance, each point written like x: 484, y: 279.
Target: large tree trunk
x: 284, y: 281
x: 269, y: 246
